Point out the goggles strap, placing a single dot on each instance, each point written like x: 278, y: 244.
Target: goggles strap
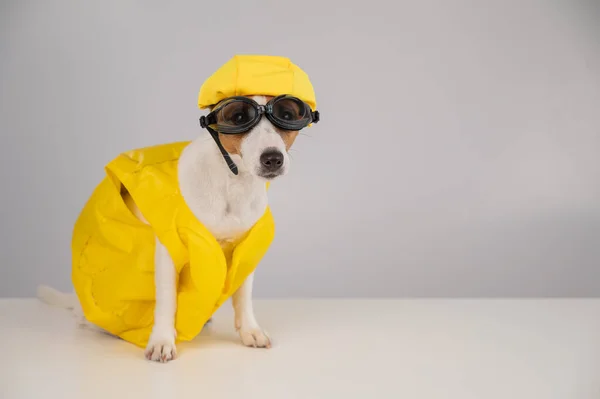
x: 232, y: 166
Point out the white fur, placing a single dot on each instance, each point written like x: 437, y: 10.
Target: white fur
x: 161, y: 345
x: 245, y: 322
x: 228, y: 205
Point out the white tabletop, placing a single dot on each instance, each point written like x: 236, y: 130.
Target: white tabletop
x: 480, y: 349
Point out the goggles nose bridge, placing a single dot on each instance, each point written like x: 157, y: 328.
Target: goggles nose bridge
x: 264, y: 109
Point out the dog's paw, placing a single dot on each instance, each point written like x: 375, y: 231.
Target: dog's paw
x: 161, y: 347
x: 255, y: 337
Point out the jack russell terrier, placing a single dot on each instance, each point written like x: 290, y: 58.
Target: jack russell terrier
x: 222, y: 178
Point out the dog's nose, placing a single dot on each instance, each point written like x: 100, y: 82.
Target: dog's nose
x: 271, y: 160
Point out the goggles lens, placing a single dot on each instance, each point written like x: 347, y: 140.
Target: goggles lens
x: 235, y: 114
x: 289, y: 109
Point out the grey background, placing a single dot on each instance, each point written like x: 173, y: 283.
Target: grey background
x: 458, y: 154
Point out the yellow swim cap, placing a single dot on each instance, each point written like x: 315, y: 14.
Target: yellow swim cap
x: 247, y: 75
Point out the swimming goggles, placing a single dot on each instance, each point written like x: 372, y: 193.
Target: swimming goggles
x: 237, y: 115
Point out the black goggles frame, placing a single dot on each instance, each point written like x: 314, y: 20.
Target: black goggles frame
x: 209, y: 121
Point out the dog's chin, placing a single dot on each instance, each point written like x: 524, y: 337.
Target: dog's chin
x: 268, y: 176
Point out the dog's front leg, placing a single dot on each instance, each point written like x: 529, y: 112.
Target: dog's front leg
x: 161, y: 346
x: 245, y: 322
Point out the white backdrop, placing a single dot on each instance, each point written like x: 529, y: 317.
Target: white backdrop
x: 457, y: 153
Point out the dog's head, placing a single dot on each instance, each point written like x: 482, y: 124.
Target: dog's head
x: 262, y: 150
x: 255, y: 132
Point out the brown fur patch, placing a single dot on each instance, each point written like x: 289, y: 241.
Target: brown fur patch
x: 232, y: 142
x: 288, y: 136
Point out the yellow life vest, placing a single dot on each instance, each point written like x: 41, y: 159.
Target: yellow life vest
x: 113, y: 252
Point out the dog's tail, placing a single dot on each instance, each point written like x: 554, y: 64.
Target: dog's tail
x: 67, y: 301
x: 54, y: 297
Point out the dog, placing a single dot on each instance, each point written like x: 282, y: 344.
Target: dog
x: 228, y: 205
